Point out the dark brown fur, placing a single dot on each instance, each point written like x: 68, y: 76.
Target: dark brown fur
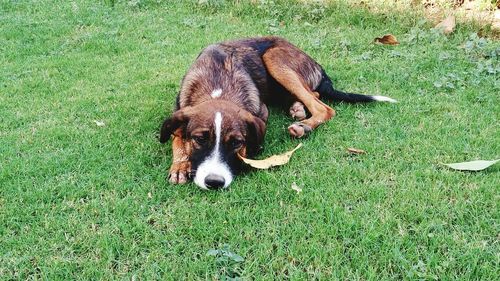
x: 250, y: 74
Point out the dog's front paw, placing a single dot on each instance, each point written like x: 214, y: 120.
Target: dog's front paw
x: 179, y: 172
x: 298, y: 129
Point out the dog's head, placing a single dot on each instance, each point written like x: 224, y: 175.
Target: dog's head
x: 217, y: 131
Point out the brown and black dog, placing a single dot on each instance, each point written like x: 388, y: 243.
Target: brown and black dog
x: 221, y: 107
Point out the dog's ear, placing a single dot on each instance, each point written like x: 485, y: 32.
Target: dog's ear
x: 256, y: 130
x: 170, y: 125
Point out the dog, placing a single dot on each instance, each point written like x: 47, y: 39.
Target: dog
x: 221, y: 109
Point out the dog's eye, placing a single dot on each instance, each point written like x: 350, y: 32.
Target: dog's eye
x: 201, y: 140
x: 236, y: 143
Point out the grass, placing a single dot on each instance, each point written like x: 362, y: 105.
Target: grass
x: 80, y: 201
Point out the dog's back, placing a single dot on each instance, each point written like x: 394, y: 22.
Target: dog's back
x: 238, y: 68
x: 233, y: 72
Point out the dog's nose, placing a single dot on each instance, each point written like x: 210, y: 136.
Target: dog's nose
x: 213, y: 181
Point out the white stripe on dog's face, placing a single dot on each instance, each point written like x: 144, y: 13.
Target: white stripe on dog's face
x: 213, y: 164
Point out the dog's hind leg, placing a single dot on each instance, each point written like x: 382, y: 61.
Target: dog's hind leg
x: 275, y: 60
x: 181, y: 165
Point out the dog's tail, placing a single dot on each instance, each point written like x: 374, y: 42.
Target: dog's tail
x: 326, y: 90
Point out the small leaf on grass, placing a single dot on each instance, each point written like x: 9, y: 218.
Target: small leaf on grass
x: 387, y: 39
x: 447, y: 25
x: 275, y: 160
x: 99, y: 123
x: 235, y: 257
x: 355, y: 150
x: 296, y: 188
x: 224, y: 254
x: 212, y: 252
x: 478, y: 165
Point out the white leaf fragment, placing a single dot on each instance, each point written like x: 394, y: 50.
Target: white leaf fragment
x: 99, y: 123
x: 478, y: 165
x: 296, y: 188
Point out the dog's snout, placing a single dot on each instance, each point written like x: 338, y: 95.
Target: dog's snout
x: 214, y: 181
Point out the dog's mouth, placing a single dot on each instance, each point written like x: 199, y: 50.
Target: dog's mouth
x: 215, y: 171
x: 212, y: 175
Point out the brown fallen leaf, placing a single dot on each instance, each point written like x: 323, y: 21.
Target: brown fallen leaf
x: 387, y: 39
x: 356, y: 150
x: 447, y: 25
x: 296, y: 188
x: 275, y: 160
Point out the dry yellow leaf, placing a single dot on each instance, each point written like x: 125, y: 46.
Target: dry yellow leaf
x: 387, y: 39
x: 275, y: 160
x: 356, y: 150
x: 447, y: 25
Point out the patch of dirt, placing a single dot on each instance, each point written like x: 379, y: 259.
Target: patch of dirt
x: 479, y: 11
x: 484, y: 13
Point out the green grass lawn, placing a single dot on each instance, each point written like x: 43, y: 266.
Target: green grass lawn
x: 82, y: 201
